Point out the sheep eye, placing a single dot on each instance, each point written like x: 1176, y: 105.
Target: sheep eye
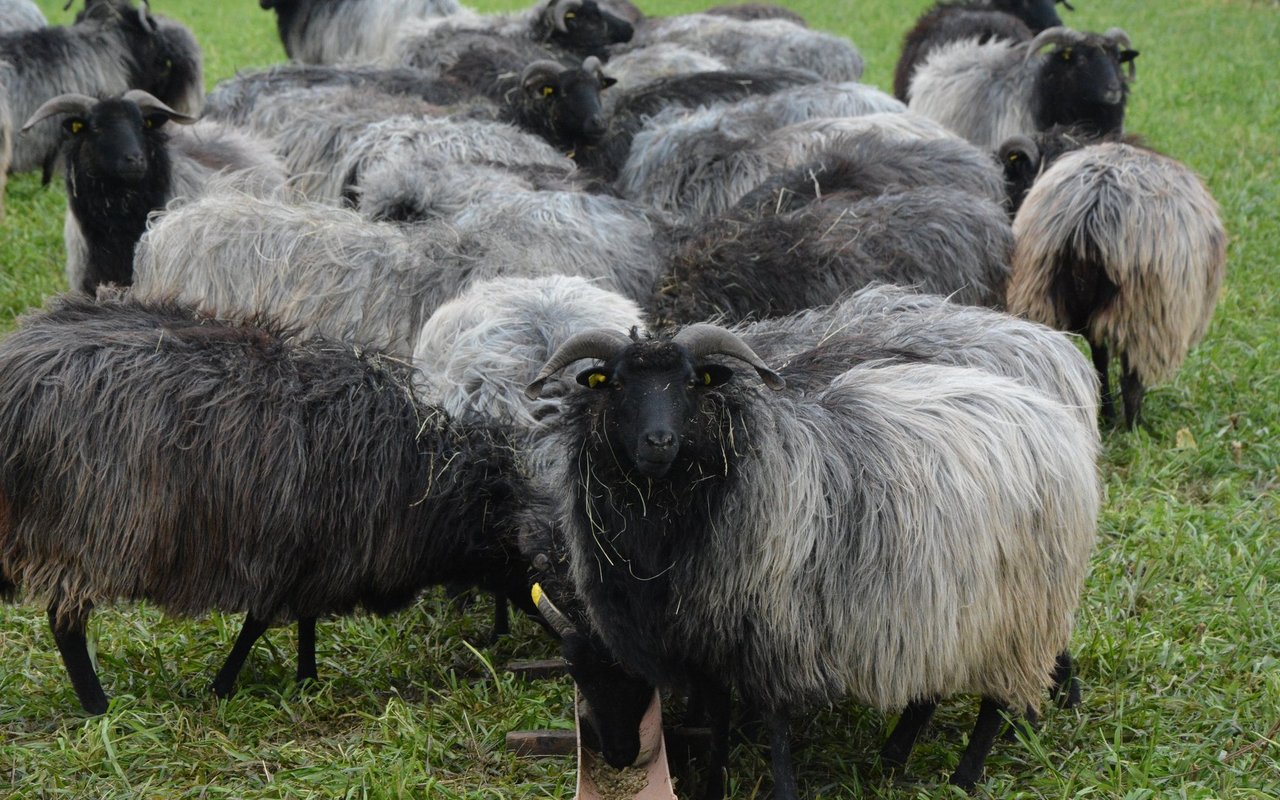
x: 596, y: 378
x: 1066, y: 54
x: 1013, y: 157
x: 148, y: 123
x: 547, y: 91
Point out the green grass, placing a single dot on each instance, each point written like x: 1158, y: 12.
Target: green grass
x: 1177, y: 637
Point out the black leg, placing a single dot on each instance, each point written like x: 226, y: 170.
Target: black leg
x: 1133, y: 390
x: 501, y: 619
x: 225, y: 681
x: 717, y: 703
x: 1066, y: 686
x: 897, y: 748
x: 1101, y: 364
x: 985, y: 731
x: 68, y: 632
x: 784, y: 776
x: 306, y: 650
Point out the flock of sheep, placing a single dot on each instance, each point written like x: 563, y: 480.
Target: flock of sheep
x: 824, y: 441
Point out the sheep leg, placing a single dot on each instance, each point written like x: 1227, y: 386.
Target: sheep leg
x: 306, y: 650
x: 1066, y: 686
x: 784, y: 776
x: 897, y: 748
x: 225, y: 681
x: 68, y: 632
x: 1102, y: 364
x: 501, y: 619
x: 991, y: 715
x: 717, y: 703
x: 1133, y: 391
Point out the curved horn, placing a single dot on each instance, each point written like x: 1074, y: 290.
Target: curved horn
x: 149, y: 102
x: 561, y: 7
x: 554, y: 616
x: 1021, y: 144
x: 62, y: 104
x: 1056, y: 35
x: 144, y: 17
x: 591, y: 65
x: 1067, y: 5
x: 537, y: 68
x: 705, y: 339
x: 596, y: 343
x: 1121, y: 41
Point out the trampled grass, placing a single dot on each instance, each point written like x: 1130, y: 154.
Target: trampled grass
x: 1177, y: 638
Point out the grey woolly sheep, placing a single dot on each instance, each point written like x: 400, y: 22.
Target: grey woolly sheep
x: 156, y: 454
x: 347, y: 31
x: 332, y: 272
x: 743, y: 265
x: 754, y: 44
x: 112, y: 49
x: 882, y: 528
x: 20, y: 15
x: 980, y: 20
x: 636, y: 68
x: 696, y: 167
x: 991, y: 91
x: 123, y: 162
x: 1126, y: 247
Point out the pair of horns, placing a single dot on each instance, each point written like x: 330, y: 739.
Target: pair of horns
x: 144, y: 12
x: 1066, y: 36
x: 1020, y: 144
x: 83, y: 104
x: 559, y: 9
x: 699, y: 340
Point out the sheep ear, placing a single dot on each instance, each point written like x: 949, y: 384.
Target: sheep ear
x: 606, y: 81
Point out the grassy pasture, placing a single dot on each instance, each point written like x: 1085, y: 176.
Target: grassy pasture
x: 1178, y: 637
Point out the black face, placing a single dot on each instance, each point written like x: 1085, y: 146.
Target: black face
x: 1083, y: 85
x: 175, y: 74
x: 651, y: 394
x: 572, y: 101
x: 616, y: 700
x: 110, y: 142
x: 1020, y: 170
x: 589, y: 31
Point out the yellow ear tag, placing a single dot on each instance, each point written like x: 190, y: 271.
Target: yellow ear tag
x: 547, y: 91
x: 537, y: 593
x: 148, y: 123
x: 570, y: 15
x: 1066, y: 54
x: 596, y: 378
x: 1013, y: 157
x: 76, y: 127
x: 706, y: 378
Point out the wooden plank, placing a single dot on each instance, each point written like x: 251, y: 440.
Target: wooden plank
x: 542, y: 743
x: 537, y: 670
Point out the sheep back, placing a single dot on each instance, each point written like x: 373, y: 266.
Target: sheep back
x: 981, y: 92
x: 1150, y: 225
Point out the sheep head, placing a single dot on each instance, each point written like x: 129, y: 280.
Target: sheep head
x: 1039, y: 15
x: 653, y: 388
x: 581, y: 27
x: 1081, y: 80
x: 562, y: 104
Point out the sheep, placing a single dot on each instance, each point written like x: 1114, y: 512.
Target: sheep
x: 114, y: 48
x: 156, y: 454
x: 350, y: 31
x: 572, y: 29
x: 989, y: 92
x: 754, y: 44
x: 938, y: 239
x: 122, y: 164
x: 234, y: 100
x: 20, y: 15
x: 752, y: 11
x: 636, y: 68
x: 890, y: 530
x: 329, y: 271
x: 698, y: 168
x: 632, y: 111
x: 983, y: 20
x: 1126, y: 247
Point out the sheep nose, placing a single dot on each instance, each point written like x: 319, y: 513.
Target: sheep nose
x: 660, y: 439
x: 593, y: 128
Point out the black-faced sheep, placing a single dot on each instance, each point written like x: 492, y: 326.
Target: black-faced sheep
x: 122, y: 164
x: 113, y: 48
x: 992, y: 91
x: 800, y: 574
x: 351, y: 31
x: 981, y: 20
x: 156, y: 454
x: 1126, y: 247
x: 20, y: 15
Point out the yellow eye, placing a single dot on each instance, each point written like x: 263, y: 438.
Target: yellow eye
x: 147, y: 123
x: 547, y: 91
x: 1066, y: 54
x: 77, y: 126
x: 596, y: 378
